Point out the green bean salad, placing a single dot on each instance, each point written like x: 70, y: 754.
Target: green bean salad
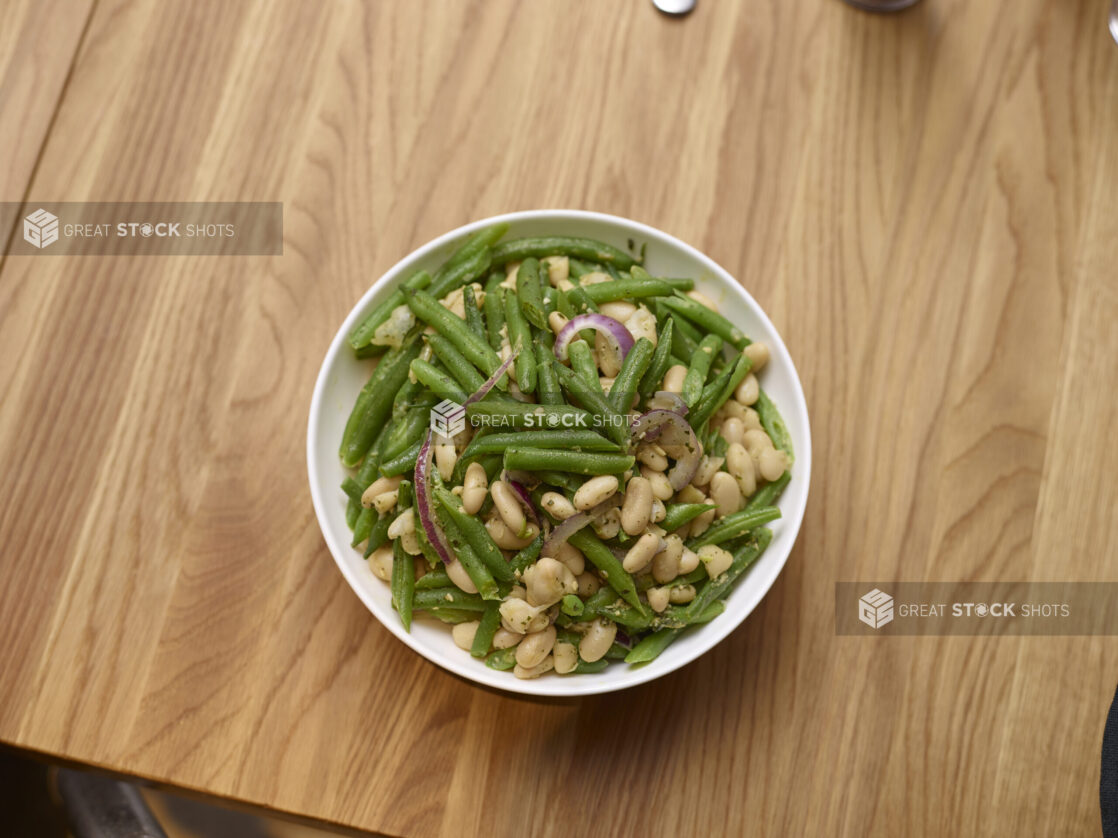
x: 568, y: 460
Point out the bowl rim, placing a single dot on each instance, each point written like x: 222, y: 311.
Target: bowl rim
x: 714, y: 632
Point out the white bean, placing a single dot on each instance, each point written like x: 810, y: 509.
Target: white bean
x: 608, y: 361
x: 658, y: 598
x: 380, y: 562
x: 460, y: 578
x: 445, y: 459
x: 756, y: 441
x: 518, y: 616
x: 641, y: 553
x: 700, y: 522
x: 707, y: 467
x: 508, y: 540
x: 508, y: 506
x: 535, y: 647
x: 546, y: 665
x: 665, y: 564
x: 571, y: 557
x: 637, y: 508
x: 653, y: 456
x: 548, y: 581
x: 609, y: 525
x: 557, y: 505
x: 588, y: 584
x: 748, y: 391
x: 463, y: 634
x: 661, y: 486
x: 619, y: 310
x: 682, y: 594
x: 688, y: 561
x: 732, y: 430
x: 559, y: 270
x: 410, y: 542
x: 750, y: 419
x: 689, y: 494
x: 597, y: 640
x: 565, y: 657
x: 758, y: 353
x: 716, y: 560
x: 404, y: 523
x: 385, y: 501
x: 557, y: 320
x: 379, y: 487
x: 725, y: 494
x: 595, y: 491
x: 474, y: 488
x: 673, y: 378
x: 642, y: 324
x: 772, y: 464
x: 505, y: 639
x: 659, y: 511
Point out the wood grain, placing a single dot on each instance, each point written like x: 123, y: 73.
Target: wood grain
x: 924, y: 203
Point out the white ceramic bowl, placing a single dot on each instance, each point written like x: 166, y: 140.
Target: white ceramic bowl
x: 342, y: 376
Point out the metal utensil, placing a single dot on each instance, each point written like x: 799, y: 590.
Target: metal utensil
x: 1114, y: 21
x: 674, y: 7
x: 882, y: 5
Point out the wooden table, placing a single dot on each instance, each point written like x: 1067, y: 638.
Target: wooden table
x: 926, y: 204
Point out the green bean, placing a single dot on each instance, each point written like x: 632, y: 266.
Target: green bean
x: 774, y: 426
x: 577, y: 462
x: 735, y: 525
x: 626, y: 289
x: 571, y: 605
x: 625, y: 385
x: 378, y: 535
x: 371, y: 350
x: 362, y: 335
x: 651, y: 646
x: 372, y: 407
x: 767, y: 494
x: 526, y: 556
x: 409, y: 394
x: 483, y: 637
x: 474, y: 244
x: 581, y: 303
x: 502, y: 659
x: 451, y: 616
x: 678, y: 283
x: 718, y: 391
x: 576, y: 440
x: 494, y: 310
x: 678, y: 514
x: 404, y: 495
x: 684, y: 343
x: 449, y: 325
x: 591, y: 398
x: 589, y: 667
x: 696, y: 376
x: 599, y: 555
x: 433, y: 579
x: 661, y: 360
x: 580, y: 248
x: 473, y: 314
x: 449, y: 597
x: 520, y: 338
x: 582, y: 362
x: 475, y: 534
x: 461, y: 274
x: 352, y: 489
x: 402, y: 462
x: 612, y: 271
x: 511, y: 414
x: 567, y: 482
x: 547, y: 384
x: 406, y: 432
x: 530, y: 292
x: 745, y: 556
x: 710, y: 321
x: 362, y: 524
x: 403, y: 583
x: 456, y: 363
x: 563, y: 304
x: 440, y: 382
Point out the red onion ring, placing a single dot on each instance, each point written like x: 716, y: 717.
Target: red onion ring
x: 490, y: 382
x: 565, y: 529
x: 620, y: 338
x: 525, y: 500
x: 667, y: 400
x: 424, y: 504
x: 676, y: 436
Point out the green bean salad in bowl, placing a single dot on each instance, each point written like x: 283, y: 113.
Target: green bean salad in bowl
x: 565, y: 456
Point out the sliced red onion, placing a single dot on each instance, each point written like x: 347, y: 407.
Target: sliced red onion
x: 576, y: 522
x: 620, y: 338
x: 525, y: 500
x: 667, y: 400
x: 490, y: 382
x: 675, y: 435
x: 424, y: 504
